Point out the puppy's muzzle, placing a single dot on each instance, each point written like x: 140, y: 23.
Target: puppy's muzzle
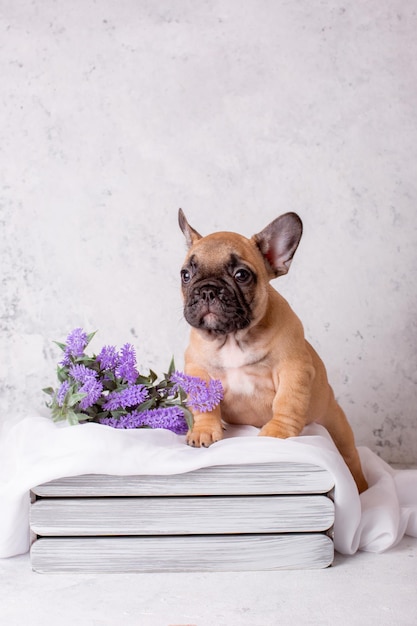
x: 208, y: 298
x: 216, y: 307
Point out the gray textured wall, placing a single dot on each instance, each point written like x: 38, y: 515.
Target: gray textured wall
x: 115, y: 113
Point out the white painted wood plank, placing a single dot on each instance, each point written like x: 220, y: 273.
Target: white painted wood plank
x: 264, y: 478
x: 186, y: 515
x: 182, y: 554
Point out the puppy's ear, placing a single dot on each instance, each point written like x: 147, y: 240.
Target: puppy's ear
x: 191, y: 235
x: 279, y: 241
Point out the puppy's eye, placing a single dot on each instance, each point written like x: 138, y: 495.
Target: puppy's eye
x: 242, y: 275
x: 185, y: 276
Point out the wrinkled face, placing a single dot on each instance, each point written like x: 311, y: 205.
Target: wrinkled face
x: 220, y: 280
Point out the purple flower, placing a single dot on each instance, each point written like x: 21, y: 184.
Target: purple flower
x: 114, y: 422
x: 62, y: 392
x: 188, y: 383
x: 170, y: 418
x: 202, y: 396
x: 93, y: 388
x: 81, y: 373
x: 108, y: 358
x: 75, y: 345
x: 131, y: 396
x: 126, y: 367
x: 90, y: 385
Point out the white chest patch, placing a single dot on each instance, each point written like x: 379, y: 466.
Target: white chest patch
x: 239, y: 383
x: 235, y: 364
x: 232, y: 356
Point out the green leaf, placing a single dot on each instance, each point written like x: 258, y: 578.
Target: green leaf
x: 152, y: 376
x: 87, y: 361
x: 60, y: 345
x: 143, y: 380
x: 58, y: 415
x: 83, y: 416
x: 101, y: 414
x: 188, y: 417
x: 171, y: 368
x: 182, y: 395
x: 72, y: 418
x: 62, y: 374
x: 90, y: 336
x: 109, y: 385
x: 49, y: 390
x: 74, y: 398
x: 148, y: 404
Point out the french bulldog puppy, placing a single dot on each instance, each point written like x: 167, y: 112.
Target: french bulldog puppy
x: 244, y: 333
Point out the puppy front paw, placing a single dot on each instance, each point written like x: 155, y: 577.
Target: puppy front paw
x: 204, y: 433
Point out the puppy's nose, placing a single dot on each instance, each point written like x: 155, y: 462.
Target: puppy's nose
x: 207, y: 294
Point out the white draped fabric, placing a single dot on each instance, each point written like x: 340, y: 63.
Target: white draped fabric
x: 36, y: 450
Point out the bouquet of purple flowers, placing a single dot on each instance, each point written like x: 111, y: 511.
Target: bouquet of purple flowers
x: 107, y: 388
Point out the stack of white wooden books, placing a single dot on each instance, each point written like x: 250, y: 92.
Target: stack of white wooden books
x: 226, y: 518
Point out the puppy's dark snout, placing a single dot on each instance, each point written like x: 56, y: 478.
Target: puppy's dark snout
x: 208, y: 294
